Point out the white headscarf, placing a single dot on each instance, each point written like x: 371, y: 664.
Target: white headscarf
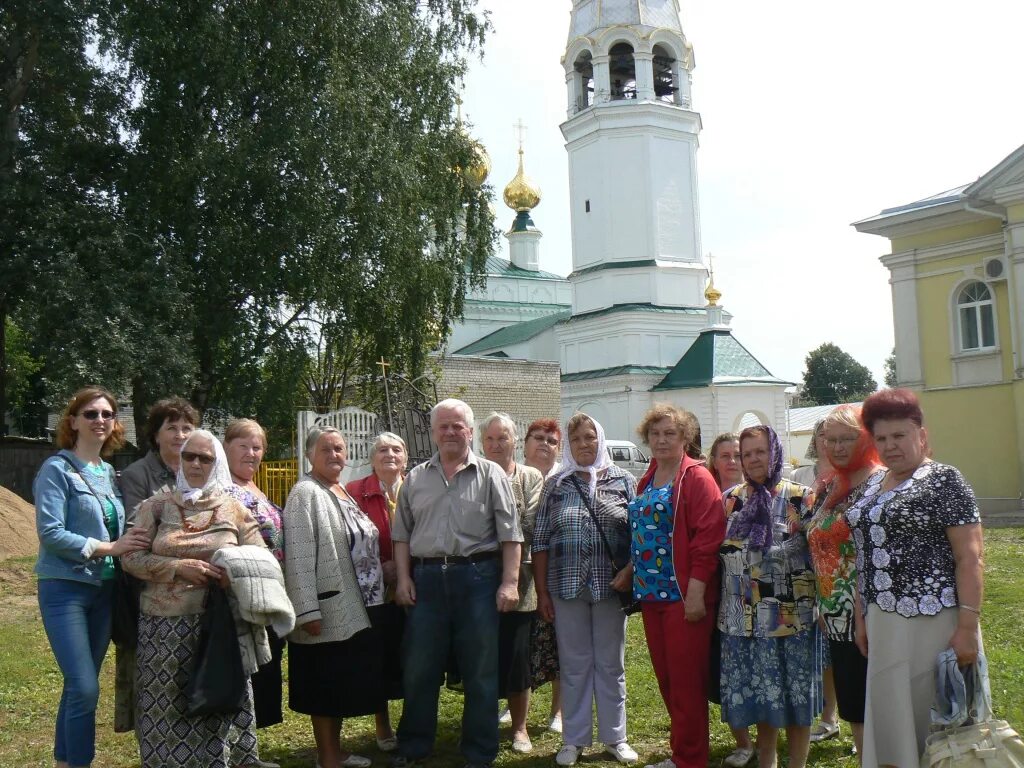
x: 220, y: 477
x: 570, y: 467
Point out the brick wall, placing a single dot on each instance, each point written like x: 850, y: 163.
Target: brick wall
x: 523, y: 389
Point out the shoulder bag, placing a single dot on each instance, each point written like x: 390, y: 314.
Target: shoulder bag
x: 627, y: 603
x: 217, y: 682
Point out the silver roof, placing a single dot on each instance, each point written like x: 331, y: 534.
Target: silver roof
x: 589, y: 16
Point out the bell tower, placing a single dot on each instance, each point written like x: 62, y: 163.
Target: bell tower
x: 631, y: 136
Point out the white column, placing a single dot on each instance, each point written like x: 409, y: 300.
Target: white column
x: 524, y: 248
x: 571, y: 88
x: 909, y: 372
x: 644, y: 63
x: 1015, y: 290
x: 602, y: 80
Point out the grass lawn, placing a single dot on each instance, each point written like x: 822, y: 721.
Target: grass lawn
x: 30, y: 687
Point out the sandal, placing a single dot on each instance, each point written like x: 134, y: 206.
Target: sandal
x: 824, y: 730
x: 739, y: 757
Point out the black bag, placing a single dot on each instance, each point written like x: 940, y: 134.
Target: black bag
x: 627, y: 603
x: 217, y: 682
x: 124, y: 625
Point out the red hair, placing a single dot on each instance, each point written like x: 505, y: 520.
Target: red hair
x: 544, y: 425
x: 863, y: 456
x: 891, y: 405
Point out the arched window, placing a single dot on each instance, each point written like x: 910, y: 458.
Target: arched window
x: 976, y: 317
x: 584, y: 67
x: 666, y: 75
x: 622, y: 71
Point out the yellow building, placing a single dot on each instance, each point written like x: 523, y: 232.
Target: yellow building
x: 957, y: 276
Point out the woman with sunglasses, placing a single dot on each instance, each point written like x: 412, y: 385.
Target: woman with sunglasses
x: 80, y: 521
x: 189, y: 525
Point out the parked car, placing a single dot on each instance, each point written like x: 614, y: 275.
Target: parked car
x: 626, y: 455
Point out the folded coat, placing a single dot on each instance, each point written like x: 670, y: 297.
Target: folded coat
x: 258, y: 599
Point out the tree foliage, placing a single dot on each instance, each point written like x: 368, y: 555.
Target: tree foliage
x: 890, y: 369
x: 188, y: 187
x: 833, y: 376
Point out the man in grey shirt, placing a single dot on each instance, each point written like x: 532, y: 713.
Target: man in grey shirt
x: 457, y: 543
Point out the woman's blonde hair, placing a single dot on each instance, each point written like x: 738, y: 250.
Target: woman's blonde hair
x: 245, y: 428
x: 685, y: 421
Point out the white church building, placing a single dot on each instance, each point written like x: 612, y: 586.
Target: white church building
x: 638, y: 319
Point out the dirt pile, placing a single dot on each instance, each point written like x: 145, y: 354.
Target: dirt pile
x: 17, y: 526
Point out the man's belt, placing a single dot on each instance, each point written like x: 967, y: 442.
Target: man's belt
x: 457, y: 559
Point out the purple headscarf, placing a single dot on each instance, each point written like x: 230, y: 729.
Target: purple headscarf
x: 753, y: 521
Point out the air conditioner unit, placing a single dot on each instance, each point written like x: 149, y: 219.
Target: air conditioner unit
x: 995, y: 268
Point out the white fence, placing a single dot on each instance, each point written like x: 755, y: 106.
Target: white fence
x: 359, y: 428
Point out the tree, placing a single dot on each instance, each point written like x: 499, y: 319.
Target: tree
x: 890, y: 369
x: 833, y: 376
x: 299, y: 160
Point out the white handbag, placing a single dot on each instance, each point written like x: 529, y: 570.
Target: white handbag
x: 961, y: 698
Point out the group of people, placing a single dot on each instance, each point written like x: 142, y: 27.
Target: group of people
x: 508, y: 575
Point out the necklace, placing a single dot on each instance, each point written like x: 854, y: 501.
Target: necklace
x: 191, y: 527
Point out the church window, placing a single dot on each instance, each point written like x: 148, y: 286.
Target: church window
x: 976, y: 317
x: 622, y: 71
x: 584, y: 67
x: 666, y: 75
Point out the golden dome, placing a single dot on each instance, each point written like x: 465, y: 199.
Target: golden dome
x: 712, y: 294
x: 522, y: 194
x: 476, y: 172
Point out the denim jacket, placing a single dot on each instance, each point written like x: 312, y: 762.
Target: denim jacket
x: 69, y: 519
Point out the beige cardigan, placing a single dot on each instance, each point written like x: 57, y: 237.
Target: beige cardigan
x: 318, y: 570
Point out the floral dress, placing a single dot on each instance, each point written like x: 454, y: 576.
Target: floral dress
x: 771, y: 653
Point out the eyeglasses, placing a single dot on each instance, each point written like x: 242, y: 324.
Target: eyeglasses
x: 188, y: 457
x: 92, y: 415
x: 541, y: 439
x: 840, y: 442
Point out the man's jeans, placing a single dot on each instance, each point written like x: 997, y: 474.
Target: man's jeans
x: 76, y: 617
x: 455, y: 605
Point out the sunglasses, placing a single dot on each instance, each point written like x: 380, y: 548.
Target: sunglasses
x: 92, y: 415
x: 188, y: 457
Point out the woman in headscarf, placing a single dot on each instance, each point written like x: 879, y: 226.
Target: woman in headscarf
x: 576, y: 584
x: 188, y: 526
x: 771, y: 660
x: 853, y: 458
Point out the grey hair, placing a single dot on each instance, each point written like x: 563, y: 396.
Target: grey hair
x: 812, y: 447
x: 502, y: 418
x: 456, y: 405
x: 387, y: 437
x: 315, y: 433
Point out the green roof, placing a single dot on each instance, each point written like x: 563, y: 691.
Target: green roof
x: 636, y: 263
x: 646, y: 307
x: 716, y: 358
x: 495, y: 266
x: 513, y: 334
x: 620, y: 370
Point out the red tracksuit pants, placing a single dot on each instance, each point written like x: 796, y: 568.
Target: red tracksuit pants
x: 679, y: 652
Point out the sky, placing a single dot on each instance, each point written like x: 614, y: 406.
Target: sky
x: 815, y: 115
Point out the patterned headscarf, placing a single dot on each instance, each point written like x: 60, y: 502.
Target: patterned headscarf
x: 753, y: 521
x: 569, y: 465
x: 220, y: 476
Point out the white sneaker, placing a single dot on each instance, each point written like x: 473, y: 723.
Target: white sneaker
x: 555, y: 724
x: 505, y: 716
x: 663, y: 764
x: 568, y: 754
x: 621, y: 752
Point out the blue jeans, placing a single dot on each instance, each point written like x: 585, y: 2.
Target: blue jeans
x: 76, y: 617
x: 455, y: 606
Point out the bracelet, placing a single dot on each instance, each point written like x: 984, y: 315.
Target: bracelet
x: 970, y: 608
